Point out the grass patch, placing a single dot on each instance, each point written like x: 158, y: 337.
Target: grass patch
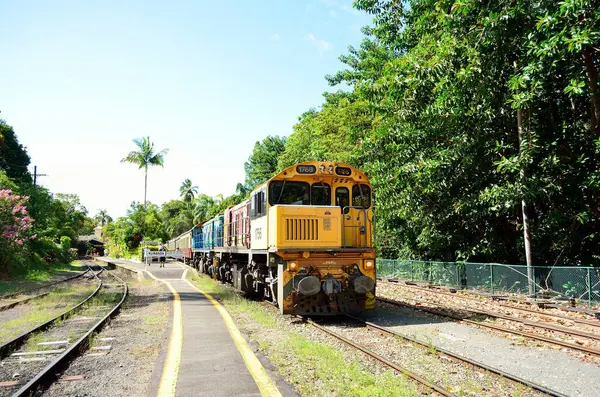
x: 35, y: 277
x: 43, y: 309
x: 315, y: 369
x: 233, y: 300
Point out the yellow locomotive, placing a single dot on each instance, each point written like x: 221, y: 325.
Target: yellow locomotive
x: 303, y: 240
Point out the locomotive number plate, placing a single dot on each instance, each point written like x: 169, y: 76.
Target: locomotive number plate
x: 306, y: 169
x: 344, y: 171
x: 327, y: 224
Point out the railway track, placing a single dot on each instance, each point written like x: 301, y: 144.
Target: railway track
x: 474, y: 363
x: 441, y: 313
x: 462, y: 295
x: 535, y: 324
x: 80, y: 322
x: 432, y: 386
x: 43, y: 287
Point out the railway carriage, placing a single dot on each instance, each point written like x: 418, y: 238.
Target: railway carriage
x: 184, y: 244
x: 302, y: 240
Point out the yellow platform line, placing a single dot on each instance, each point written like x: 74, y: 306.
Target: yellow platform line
x: 263, y: 381
x: 168, y: 381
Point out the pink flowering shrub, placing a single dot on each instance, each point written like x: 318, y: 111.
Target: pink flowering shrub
x: 15, y: 223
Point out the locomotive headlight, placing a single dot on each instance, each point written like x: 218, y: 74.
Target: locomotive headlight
x: 293, y: 266
x: 322, y: 168
x: 306, y: 254
x: 369, y: 264
x: 330, y: 169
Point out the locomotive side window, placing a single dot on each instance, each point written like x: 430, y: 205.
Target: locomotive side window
x: 320, y: 194
x: 361, y: 196
x: 290, y: 193
x: 342, y: 198
x: 258, y: 204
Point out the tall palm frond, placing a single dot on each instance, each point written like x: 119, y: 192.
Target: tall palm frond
x: 144, y: 157
x: 187, y: 191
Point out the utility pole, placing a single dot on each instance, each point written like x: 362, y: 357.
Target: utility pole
x: 35, y: 175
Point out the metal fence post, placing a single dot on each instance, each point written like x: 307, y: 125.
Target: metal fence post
x: 412, y: 264
x: 589, y: 285
x: 492, y: 278
x: 457, y: 274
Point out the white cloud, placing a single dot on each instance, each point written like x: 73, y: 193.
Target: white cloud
x: 320, y: 44
x: 276, y: 36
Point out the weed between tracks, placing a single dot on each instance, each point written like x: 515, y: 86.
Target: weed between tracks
x: 40, y: 310
x: 314, y: 368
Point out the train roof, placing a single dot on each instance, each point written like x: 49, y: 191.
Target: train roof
x: 319, y: 168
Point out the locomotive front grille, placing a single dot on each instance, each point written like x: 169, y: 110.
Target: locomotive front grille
x: 301, y: 229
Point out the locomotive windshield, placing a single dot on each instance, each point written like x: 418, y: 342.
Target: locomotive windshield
x: 320, y: 194
x: 291, y: 193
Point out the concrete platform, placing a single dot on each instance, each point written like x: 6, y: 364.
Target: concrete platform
x: 211, y: 363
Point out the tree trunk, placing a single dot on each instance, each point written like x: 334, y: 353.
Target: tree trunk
x: 592, y: 73
x: 526, y: 232
x: 145, y: 185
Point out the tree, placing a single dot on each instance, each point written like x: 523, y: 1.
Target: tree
x: 332, y: 133
x: 262, y: 163
x: 144, y: 157
x: 450, y: 86
x: 187, y: 191
x: 203, y: 208
x: 102, y: 217
x: 14, y: 159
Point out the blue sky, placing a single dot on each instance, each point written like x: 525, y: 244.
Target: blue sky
x: 80, y: 79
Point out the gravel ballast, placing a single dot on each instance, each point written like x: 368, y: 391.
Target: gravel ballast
x: 553, y: 369
x: 124, y: 353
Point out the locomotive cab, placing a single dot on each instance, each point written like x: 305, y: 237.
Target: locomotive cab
x: 318, y: 222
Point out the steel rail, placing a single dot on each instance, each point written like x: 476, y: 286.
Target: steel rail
x: 463, y: 295
x: 492, y: 314
x: 43, y: 286
x: 19, y: 340
x: 383, y: 360
x: 472, y: 362
x: 13, y: 304
x: 44, y: 377
x: 536, y: 324
x: 575, y: 320
x: 491, y: 326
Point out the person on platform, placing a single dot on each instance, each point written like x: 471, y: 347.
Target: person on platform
x: 163, y: 255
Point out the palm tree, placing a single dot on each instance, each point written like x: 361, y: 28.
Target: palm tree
x: 204, y: 204
x: 188, y: 191
x: 145, y: 157
x: 102, y: 217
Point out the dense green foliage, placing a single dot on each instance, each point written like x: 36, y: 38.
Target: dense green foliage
x: 262, y: 163
x: 13, y: 156
x: 39, y: 228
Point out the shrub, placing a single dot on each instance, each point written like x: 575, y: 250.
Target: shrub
x: 65, y: 242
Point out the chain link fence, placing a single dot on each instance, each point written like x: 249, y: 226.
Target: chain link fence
x: 582, y: 283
